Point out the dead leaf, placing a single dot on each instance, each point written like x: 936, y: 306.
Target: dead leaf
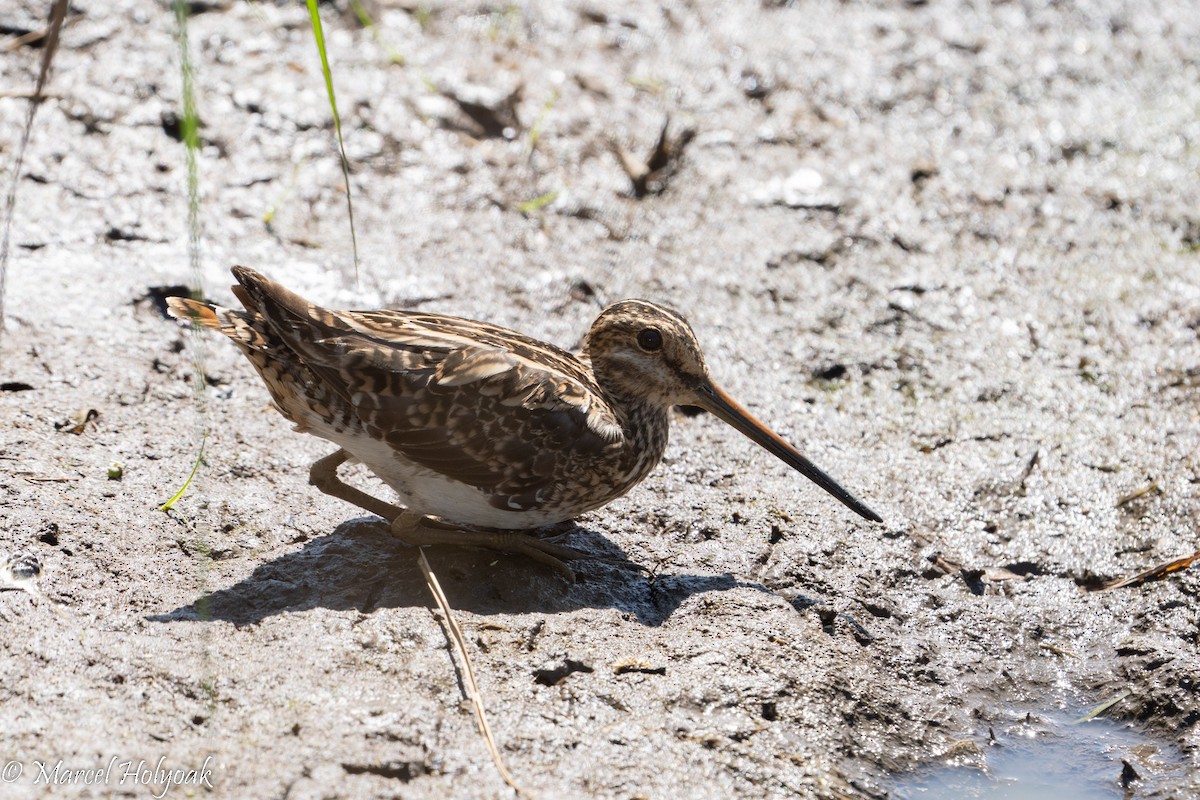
x: 652, y: 175
x: 78, y: 422
x: 1153, y: 574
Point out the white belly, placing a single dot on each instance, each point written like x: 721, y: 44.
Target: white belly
x: 428, y: 492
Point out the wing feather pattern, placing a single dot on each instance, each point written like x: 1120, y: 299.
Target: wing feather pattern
x: 463, y: 398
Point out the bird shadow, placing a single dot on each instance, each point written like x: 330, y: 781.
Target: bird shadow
x: 361, y: 566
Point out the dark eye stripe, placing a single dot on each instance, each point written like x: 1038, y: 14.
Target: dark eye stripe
x: 650, y: 339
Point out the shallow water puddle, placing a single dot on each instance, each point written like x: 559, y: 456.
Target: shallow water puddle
x: 1047, y: 756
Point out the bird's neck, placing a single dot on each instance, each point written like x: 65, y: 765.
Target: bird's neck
x: 646, y: 426
x: 643, y: 417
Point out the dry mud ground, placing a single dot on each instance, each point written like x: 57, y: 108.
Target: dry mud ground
x: 950, y: 248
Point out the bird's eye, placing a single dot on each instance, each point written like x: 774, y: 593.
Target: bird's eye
x: 650, y: 340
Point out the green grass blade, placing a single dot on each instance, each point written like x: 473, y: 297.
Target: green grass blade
x: 319, y: 35
x: 183, y: 489
x: 537, y: 203
x: 190, y: 130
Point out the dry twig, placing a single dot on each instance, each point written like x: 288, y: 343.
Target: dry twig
x: 1156, y: 573
x: 469, y: 672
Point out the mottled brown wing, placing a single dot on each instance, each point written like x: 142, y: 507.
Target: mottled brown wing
x: 480, y: 404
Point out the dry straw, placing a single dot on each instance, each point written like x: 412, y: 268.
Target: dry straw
x: 469, y: 673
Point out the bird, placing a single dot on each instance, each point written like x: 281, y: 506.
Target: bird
x: 484, y: 434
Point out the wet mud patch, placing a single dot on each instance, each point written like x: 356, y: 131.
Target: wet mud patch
x: 1049, y: 755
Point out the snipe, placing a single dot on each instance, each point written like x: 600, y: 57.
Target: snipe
x: 486, y: 430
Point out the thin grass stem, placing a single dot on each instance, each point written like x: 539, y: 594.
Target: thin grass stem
x: 319, y: 35
x: 476, y: 697
x: 58, y: 13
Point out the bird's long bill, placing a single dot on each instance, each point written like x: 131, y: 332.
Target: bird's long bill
x: 713, y: 399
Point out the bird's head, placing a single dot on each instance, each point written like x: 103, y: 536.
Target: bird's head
x: 644, y: 352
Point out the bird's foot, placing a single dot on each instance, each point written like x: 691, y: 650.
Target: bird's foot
x: 415, y: 529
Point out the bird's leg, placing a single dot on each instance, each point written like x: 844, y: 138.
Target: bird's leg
x: 414, y: 529
x: 323, y: 475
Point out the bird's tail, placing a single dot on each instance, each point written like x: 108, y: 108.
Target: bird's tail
x: 246, y: 329
x: 293, y: 385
